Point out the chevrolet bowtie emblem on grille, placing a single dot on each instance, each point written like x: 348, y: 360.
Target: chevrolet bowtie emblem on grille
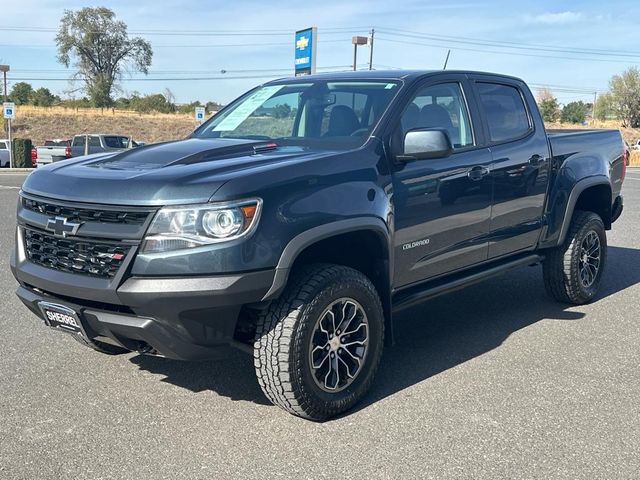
x: 61, y: 226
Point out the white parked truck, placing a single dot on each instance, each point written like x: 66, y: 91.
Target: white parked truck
x: 61, y: 149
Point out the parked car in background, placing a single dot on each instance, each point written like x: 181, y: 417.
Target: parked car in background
x: 627, y: 154
x: 61, y: 149
x: 52, y: 151
x: 4, y: 153
x: 99, y: 143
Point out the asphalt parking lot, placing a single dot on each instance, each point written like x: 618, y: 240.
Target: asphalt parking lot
x: 496, y: 381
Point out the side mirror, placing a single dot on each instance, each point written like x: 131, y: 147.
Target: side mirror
x: 425, y: 143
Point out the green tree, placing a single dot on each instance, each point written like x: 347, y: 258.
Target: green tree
x: 625, y: 93
x: 100, y: 49
x: 605, y: 107
x: 21, y: 93
x: 42, y: 97
x: 151, y: 103
x: 282, y: 110
x: 574, y: 112
x: 548, y: 105
x: 189, y: 107
x: 213, y: 106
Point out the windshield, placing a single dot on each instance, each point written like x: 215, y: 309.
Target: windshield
x: 324, y: 114
x: 57, y: 143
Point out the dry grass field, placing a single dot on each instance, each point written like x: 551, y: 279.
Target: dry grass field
x: 631, y: 135
x: 39, y: 123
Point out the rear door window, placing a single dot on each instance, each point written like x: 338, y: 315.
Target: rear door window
x: 113, y: 141
x: 505, y: 111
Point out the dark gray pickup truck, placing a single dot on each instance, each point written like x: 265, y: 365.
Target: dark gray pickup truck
x: 299, y: 220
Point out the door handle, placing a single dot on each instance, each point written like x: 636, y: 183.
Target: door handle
x: 477, y: 173
x: 536, y: 160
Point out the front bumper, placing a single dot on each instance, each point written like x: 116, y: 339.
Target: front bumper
x: 185, y: 318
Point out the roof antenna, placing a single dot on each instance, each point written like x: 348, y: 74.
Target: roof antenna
x: 446, y: 60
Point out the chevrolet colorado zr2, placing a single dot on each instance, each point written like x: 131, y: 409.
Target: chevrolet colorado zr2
x: 301, y: 218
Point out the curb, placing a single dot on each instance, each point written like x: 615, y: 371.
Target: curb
x: 15, y: 170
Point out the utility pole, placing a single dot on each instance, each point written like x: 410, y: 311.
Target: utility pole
x: 593, y: 110
x: 371, y: 49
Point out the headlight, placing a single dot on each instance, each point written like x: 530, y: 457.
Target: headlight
x: 178, y: 228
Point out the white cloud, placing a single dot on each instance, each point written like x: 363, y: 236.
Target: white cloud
x: 555, y: 18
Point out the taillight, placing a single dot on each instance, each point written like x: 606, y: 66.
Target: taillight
x: 34, y: 155
x: 67, y: 152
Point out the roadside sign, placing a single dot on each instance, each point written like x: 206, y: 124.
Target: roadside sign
x: 9, y: 109
x: 305, y: 51
x: 200, y: 112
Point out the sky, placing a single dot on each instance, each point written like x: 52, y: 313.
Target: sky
x: 194, y: 41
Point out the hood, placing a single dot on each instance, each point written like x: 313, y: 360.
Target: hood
x: 181, y: 172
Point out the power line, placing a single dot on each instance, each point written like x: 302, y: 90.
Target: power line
x: 533, y: 86
x: 196, y: 33
x: 385, y: 39
x: 218, y: 45
x: 509, y: 44
x: 266, y: 73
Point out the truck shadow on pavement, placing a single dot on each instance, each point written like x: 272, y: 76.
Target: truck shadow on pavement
x: 431, y: 338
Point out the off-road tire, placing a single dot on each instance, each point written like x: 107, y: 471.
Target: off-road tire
x: 284, y: 330
x: 561, y: 271
x: 101, y: 347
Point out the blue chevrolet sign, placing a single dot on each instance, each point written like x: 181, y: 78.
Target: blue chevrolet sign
x: 305, y: 51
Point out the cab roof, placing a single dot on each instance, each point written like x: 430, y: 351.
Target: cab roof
x: 384, y: 75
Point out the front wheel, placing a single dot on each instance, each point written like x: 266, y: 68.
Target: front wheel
x: 573, y: 271
x: 318, y: 346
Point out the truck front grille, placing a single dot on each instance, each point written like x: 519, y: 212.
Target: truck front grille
x: 96, y: 259
x: 130, y: 217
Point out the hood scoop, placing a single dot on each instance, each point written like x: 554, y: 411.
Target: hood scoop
x: 186, y: 152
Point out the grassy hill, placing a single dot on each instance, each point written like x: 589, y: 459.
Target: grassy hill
x: 39, y: 123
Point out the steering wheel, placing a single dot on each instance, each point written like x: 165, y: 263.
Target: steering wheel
x: 359, y: 132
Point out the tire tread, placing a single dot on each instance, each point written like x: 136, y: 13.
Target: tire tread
x: 276, y: 327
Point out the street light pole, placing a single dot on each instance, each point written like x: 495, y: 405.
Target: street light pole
x: 4, y: 69
x: 371, y: 49
x: 355, y: 56
x: 356, y: 40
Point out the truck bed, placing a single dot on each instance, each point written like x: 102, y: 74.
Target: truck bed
x: 590, y: 147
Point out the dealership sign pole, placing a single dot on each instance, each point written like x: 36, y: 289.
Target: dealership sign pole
x: 305, y: 51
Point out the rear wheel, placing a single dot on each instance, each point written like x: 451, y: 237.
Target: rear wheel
x: 573, y: 271
x: 318, y: 346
